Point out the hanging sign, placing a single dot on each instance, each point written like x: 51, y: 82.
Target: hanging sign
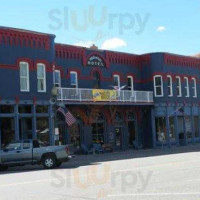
x: 104, y: 95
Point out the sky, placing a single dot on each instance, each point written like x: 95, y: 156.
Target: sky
x: 133, y: 26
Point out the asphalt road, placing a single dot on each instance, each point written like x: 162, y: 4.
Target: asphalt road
x: 146, y: 174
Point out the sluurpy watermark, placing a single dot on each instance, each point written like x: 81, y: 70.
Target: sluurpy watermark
x: 83, y: 20
x: 103, y: 176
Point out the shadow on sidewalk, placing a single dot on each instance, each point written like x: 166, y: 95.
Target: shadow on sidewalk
x: 86, y: 160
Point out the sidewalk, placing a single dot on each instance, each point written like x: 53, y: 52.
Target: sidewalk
x: 130, y: 154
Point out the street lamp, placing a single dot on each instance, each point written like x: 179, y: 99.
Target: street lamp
x: 53, y: 99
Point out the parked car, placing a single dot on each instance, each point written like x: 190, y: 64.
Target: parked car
x: 30, y: 152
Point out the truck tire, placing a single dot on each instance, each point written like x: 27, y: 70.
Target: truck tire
x: 49, y: 162
x: 3, y: 168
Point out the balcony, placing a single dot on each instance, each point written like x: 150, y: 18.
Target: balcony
x: 101, y: 96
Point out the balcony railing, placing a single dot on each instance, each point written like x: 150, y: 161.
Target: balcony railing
x: 100, y: 95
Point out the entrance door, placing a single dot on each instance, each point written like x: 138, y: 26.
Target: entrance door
x: 75, y: 135
x: 132, y: 132
x: 96, y: 80
x: 118, y: 138
x: 180, y: 125
x: 61, y: 137
x: 98, y: 133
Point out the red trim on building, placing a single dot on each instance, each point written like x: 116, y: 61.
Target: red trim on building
x: 14, y: 37
x: 61, y: 71
x: 45, y: 62
x: 178, y: 60
x: 69, y: 52
x: 28, y: 60
x: 96, y: 69
x: 77, y: 70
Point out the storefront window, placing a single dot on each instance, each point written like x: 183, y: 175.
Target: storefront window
x: 25, y: 109
x: 7, y: 131
x: 43, y: 130
x: 196, y: 126
x: 41, y: 109
x: 98, y: 133
x: 6, y: 109
x: 98, y: 128
x: 188, y: 127
x: 74, y: 131
x: 171, y: 128
x: 161, y: 129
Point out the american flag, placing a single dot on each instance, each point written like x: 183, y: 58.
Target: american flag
x: 69, y: 118
x: 179, y: 110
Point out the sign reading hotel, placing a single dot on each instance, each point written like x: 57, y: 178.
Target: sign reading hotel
x: 95, y: 61
x: 104, y: 95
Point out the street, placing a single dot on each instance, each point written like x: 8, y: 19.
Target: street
x: 143, y: 174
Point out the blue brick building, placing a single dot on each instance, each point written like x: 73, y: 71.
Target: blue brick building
x: 120, y: 99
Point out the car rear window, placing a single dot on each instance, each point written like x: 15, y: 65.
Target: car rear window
x: 26, y: 145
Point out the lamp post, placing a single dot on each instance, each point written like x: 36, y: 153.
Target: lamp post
x: 53, y: 100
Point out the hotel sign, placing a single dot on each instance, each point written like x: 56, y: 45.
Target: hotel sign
x: 95, y: 61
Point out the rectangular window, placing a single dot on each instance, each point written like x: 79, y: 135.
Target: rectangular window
x: 160, y: 129
x: 169, y: 85
x: 57, y: 78
x: 187, y: 93
x: 24, y: 77
x: 42, y: 126
x: 130, y: 83
x: 196, y: 126
x: 158, y: 86
x: 41, y: 78
x: 194, y: 87
x: 116, y: 81
x: 73, y: 79
x: 178, y: 86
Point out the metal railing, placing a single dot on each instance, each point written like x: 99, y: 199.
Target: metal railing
x: 101, y: 95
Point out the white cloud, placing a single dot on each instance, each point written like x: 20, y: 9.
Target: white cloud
x: 161, y: 28
x: 84, y: 43
x: 113, y: 43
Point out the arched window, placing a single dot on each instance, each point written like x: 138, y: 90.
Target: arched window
x: 41, y: 77
x: 158, y: 86
x: 187, y: 92
x: 131, y: 116
x: 130, y: 83
x: 178, y: 86
x: 170, y: 86
x: 118, y: 116
x: 24, y: 77
x: 194, y: 87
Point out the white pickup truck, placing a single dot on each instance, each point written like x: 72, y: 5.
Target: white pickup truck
x: 29, y: 152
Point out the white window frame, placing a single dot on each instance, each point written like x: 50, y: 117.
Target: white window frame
x: 170, y: 86
x: 194, y: 87
x: 132, y: 86
x: 27, y: 77
x: 57, y: 71
x: 118, y: 78
x: 73, y: 72
x: 43, y: 78
x: 179, y: 86
x: 156, y: 95
x: 187, y: 87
